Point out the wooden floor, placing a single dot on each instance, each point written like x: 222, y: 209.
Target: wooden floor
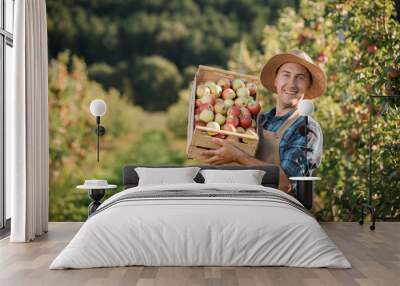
x: 375, y: 256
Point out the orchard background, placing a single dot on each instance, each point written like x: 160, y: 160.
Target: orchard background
x: 140, y: 57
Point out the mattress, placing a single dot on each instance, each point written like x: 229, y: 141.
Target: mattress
x: 201, y: 225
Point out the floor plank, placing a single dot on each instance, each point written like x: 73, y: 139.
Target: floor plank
x: 375, y: 257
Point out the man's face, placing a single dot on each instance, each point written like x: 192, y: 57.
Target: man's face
x: 291, y: 82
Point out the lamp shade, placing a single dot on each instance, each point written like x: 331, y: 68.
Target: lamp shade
x: 306, y: 107
x: 98, y: 107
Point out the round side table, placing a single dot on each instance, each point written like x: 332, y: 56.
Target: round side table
x: 305, y: 189
x: 96, y: 193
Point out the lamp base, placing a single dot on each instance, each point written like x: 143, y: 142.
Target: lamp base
x: 100, y: 130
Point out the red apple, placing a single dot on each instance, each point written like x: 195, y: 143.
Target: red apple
x: 198, y: 102
x: 252, y: 88
x: 220, y: 135
x: 245, y: 112
x: 254, y: 107
x: 245, y: 122
x: 207, y: 106
x: 372, y: 49
x: 393, y: 73
x: 199, y: 123
x: 228, y: 94
x: 232, y: 120
x: 224, y: 83
x: 229, y: 127
x: 234, y: 111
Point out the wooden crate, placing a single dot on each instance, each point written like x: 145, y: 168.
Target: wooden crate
x: 197, y: 136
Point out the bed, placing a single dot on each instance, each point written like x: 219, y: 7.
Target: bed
x: 201, y: 224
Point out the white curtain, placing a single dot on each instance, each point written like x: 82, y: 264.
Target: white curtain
x: 27, y: 145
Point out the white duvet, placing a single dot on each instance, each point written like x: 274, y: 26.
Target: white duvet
x: 200, y: 231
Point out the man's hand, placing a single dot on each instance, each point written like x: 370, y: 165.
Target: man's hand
x: 226, y: 153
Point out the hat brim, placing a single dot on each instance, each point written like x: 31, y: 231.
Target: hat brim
x: 268, y: 74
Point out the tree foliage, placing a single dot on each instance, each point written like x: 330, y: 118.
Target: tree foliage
x: 114, y: 36
x: 358, y: 45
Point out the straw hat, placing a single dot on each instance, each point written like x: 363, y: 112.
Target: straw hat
x: 268, y: 73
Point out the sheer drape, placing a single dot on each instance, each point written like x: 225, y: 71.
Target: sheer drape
x: 27, y: 124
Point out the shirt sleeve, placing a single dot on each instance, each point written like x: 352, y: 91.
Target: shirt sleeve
x: 292, y: 148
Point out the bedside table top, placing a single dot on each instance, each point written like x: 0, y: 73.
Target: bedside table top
x: 88, y: 187
x: 305, y: 178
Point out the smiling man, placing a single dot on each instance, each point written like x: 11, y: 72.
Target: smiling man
x: 292, y: 76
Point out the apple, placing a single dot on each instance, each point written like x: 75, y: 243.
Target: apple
x: 220, y: 107
x: 252, y: 88
x: 254, y: 107
x: 207, y: 106
x: 213, y: 125
x: 240, y: 130
x: 245, y: 112
x: 234, y: 111
x: 229, y: 127
x: 372, y: 49
x: 197, y: 121
x: 245, y: 122
x: 237, y: 83
x: 229, y: 103
x: 220, y: 118
x: 214, y: 89
x: 354, y: 134
x: 202, y: 90
x: 206, y: 115
x: 393, y: 73
x: 241, y: 101
x: 198, y: 102
x: 232, y: 120
x: 219, y: 100
x: 197, y: 110
x: 243, y: 92
x: 208, y: 98
x: 220, y: 135
x: 224, y: 83
x: 228, y: 94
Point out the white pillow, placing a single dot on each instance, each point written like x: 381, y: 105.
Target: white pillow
x: 248, y: 177
x: 163, y: 176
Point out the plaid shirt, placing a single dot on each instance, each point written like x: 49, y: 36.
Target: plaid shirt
x: 291, y: 147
